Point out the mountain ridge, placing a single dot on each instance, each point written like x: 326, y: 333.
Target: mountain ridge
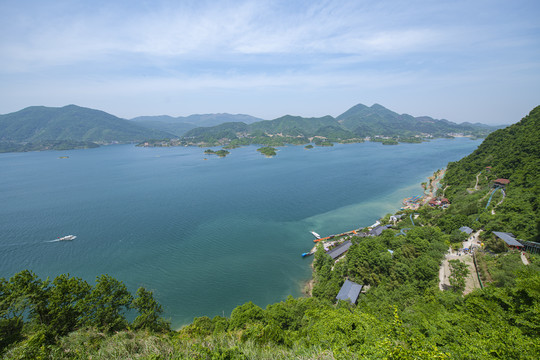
x: 78, y: 126
x: 357, y: 123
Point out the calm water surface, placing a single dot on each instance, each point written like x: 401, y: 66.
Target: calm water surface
x: 205, y: 236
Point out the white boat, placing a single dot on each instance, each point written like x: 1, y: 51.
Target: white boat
x: 317, y: 236
x: 66, y: 238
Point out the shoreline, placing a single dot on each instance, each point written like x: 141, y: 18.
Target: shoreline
x: 434, y: 181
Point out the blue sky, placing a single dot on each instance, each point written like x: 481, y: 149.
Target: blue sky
x: 476, y: 61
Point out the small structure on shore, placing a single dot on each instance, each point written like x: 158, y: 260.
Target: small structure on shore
x: 339, y: 250
x: 349, y: 291
x: 509, y: 239
x: 439, y: 202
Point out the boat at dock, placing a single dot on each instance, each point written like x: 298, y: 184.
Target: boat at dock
x: 317, y: 236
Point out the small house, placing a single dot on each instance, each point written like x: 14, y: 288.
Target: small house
x: 339, y: 250
x: 466, y: 230
x: 349, y: 291
x: 379, y: 229
x: 509, y: 239
x: 501, y: 182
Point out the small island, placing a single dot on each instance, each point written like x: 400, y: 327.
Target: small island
x: 220, y: 153
x: 308, y: 147
x: 268, y: 151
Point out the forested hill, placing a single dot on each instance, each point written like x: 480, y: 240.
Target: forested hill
x: 356, y: 123
x: 68, y: 125
x: 512, y: 153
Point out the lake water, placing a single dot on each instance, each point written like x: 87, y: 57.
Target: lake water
x: 205, y: 236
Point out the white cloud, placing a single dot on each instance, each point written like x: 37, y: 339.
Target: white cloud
x: 354, y: 48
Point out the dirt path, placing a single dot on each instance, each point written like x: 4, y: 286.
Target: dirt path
x: 471, y: 282
x: 524, y: 259
x: 476, y: 185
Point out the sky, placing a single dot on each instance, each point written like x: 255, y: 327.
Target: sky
x: 475, y: 61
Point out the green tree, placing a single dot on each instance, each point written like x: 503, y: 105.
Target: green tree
x: 66, y: 304
x: 247, y: 313
x: 106, y: 303
x: 459, y: 273
x: 150, y: 311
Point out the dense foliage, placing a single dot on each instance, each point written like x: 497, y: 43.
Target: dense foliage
x: 514, y: 154
x: 36, y: 313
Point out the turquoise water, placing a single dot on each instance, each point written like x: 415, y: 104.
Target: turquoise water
x: 205, y: 236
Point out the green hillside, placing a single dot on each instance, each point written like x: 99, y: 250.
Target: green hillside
x: 70, y: 123
x: 514, y: 154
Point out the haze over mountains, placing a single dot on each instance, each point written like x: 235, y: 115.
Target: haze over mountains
x: 181, y: 124
x: 34, y: 128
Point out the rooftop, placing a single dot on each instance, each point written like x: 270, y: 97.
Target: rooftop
x: 508, y: 238
x: 379, y: 229
x: 466, y: 229
x: 349, y: 291
x: 340, y: 249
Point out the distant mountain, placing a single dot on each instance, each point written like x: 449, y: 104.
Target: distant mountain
x: 293, y: 125
x: 177, y: 129
x: 200, y: 119
x: 378, y: 120
x: 69, y: 125
x: 181, y: 124
x: 355, y: 124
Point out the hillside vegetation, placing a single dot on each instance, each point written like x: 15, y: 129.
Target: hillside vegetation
x: 402, y: 315
x: 514, y: 154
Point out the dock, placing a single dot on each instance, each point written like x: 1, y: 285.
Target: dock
x: 352, y: 232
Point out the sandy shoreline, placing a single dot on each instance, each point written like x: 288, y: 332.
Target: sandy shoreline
x: 432, y: 186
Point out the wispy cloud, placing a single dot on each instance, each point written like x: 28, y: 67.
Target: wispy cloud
x: 246, y: 46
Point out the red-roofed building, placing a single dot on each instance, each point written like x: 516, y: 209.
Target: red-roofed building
x: 445, y: 201
x: 501, y: 182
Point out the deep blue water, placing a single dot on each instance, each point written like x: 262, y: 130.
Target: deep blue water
x: 205, y: 236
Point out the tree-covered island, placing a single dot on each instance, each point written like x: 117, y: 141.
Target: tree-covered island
x: 219, y: 153
x: 268, y: 151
